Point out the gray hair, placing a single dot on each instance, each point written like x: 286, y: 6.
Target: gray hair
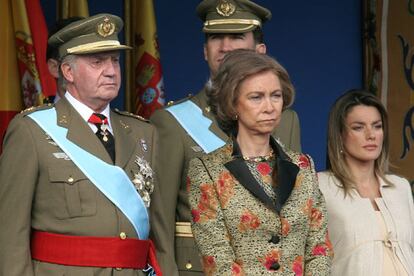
x: 71, y: 61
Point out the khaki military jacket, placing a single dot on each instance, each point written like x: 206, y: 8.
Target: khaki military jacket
x: 241, y: 229
x: 176, y: 149
x: 35, y: 190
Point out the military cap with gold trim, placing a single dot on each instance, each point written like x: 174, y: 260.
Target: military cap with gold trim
x: 98, y: 33
x: 231, y: 16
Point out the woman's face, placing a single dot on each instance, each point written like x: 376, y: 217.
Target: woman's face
x: 363, y: 135
x: 259, y: 105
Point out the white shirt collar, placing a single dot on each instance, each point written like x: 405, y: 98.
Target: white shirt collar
x: 86, y: 112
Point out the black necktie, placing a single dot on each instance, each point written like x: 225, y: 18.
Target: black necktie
x: 104, y: 135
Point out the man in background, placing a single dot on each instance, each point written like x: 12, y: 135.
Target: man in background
x: 52, y: 58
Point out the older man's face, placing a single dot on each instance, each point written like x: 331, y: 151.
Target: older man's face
x: 95, y: 79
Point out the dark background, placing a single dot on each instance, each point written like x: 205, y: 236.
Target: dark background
x: 319, y: 42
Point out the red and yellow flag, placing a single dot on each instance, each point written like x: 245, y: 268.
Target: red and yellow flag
x: 10, y: 96
x: 31, y: 43
x: 27, y: 80
x: 148, y: 81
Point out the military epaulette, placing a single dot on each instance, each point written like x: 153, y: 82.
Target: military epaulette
x: 36, y: 108
x: 171, y: 103
x: 126, y: 113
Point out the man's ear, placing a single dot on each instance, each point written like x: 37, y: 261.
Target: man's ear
x: 53, y: 66
x: 261, y: 48
x: 67, y: 71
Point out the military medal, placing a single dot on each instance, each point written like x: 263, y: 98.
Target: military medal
x: 104, y: 128
x: 144, y: 145
x: 143, y: 180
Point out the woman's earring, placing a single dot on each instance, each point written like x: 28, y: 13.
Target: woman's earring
x: 236, y: 117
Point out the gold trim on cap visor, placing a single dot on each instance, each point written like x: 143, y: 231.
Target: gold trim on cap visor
x: 93, y: 45
x: 232, y: 21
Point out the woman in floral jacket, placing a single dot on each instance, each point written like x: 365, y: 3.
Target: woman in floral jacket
x: 256, y: 206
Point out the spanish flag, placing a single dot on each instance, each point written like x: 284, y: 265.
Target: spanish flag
x: 31, y: 43
x: 10, y: 96
x: 27, y: 81
x: 148, y: 81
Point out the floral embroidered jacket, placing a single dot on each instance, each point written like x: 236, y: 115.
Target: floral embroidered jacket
x: 240, y: 230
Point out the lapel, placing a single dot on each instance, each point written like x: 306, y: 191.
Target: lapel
x: 201, y: 100
x: 124, y: 142
x: 286, y: 176
x: 79, y: 131
x: 241, y: 172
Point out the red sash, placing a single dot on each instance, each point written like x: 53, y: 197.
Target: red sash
x: 93, y: 251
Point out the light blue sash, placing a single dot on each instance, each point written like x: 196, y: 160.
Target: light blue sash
x: 191, y: 118
x: 111, y: 180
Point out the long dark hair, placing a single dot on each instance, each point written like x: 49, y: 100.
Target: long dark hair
x: 337, y: 127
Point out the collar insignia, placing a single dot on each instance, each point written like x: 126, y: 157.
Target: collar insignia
x: 144, y: 145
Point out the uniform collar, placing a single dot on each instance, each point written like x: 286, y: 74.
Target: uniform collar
x: 86, y: 112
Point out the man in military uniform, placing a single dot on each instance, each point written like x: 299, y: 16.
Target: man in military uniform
x: 188, y: 129
x: 76, y: 177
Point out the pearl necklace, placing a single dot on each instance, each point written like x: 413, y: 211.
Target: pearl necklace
x: 259, y: 158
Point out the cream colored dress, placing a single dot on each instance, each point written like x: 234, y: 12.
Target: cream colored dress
x: 392, y: 264
x: 355, y: 232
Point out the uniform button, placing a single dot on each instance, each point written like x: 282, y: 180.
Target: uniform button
x: 275, y: 266
x: 122, y: 235
x: 70, y: 179
x: 188, y: 265
x: 274, y: 239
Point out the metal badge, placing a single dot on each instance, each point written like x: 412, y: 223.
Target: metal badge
x: 61, y: 155
x: 63, y: 120
x: 144, y: 180
x: 106, y: 28
x: 144, y: 145
x: 196, y: 148
x: 50, y: 140
x: 125, y: 126
x: 225, y: 8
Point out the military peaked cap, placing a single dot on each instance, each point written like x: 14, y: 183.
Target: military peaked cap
x: 231, y: 16
x: 98, y: 33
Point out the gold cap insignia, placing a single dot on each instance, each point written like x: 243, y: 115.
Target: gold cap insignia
x: 106, y: 28
x: 225, y: 8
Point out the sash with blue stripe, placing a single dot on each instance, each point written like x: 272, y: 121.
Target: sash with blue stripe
x: 191, y: 118
x: 111, y: 180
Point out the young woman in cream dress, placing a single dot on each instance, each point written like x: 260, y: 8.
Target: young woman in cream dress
x: 370, y: 213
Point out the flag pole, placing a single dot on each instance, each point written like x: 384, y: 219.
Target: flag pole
x: 128, y: 57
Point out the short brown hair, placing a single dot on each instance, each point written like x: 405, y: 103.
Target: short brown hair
x: 337, y: 127
x: 236, y: 67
